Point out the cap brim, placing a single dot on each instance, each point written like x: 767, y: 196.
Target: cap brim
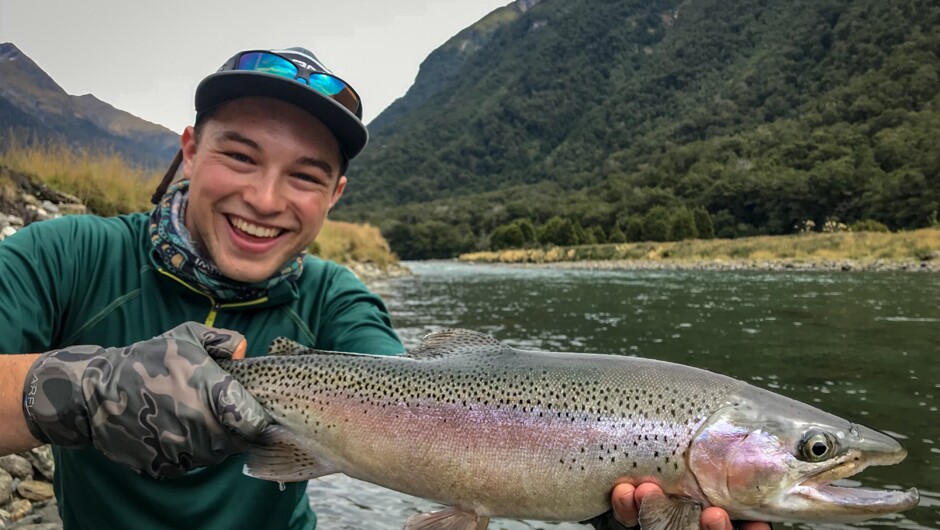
x: 224, y: 86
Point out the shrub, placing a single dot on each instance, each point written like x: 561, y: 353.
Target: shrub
x: 656, y: 224
x: 703, y: 223
x: 868, y: 225
x: 682, y: 225
x: 616, y: 235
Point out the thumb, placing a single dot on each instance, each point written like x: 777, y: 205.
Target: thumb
x: 224, y: 343
x: 217, y: 342
x: 240, y: 350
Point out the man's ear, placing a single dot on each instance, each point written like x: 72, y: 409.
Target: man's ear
x: 188, y: 146
x: 338, y: 192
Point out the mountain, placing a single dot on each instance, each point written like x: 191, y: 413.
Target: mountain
x: 444, y: 63
x: 611, y: 114
x: 34, y: 107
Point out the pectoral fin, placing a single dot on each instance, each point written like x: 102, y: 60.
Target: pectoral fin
x: 281, y: 456
x: 659, y: 512
x: 447, y: 519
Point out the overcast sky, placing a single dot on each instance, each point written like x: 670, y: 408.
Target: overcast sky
x: 146, y: 57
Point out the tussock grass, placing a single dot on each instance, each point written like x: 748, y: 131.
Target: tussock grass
x: 857, y: 246
x: 106, y: 183
x: 353, y: 243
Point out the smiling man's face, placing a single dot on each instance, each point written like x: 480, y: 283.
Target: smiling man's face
x: 263, y: 176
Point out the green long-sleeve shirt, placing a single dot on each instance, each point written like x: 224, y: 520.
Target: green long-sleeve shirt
x: 92, y: 280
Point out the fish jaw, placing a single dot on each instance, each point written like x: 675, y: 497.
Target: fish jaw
x: 754, y: 458
x: 855, y: 504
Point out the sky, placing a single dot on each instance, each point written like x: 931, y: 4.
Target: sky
x: 146, y: 57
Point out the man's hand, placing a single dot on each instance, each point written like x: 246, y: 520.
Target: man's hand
x: 626, y: 501
x: 160, y: 406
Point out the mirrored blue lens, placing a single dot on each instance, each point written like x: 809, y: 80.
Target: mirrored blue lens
x: 326, y: 84
x: 336, y: 89
x: 267, y: 63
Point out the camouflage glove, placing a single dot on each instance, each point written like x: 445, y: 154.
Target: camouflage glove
x: 161, y: 406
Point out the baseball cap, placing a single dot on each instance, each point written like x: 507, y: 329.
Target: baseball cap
x: 293, y: 75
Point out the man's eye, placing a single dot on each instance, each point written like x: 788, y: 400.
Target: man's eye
x: 239, y: 157
x: 307, y: 178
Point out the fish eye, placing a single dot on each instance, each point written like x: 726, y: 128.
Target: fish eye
x: 817, y: 446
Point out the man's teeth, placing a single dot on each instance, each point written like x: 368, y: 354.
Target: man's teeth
x: 255, y: 230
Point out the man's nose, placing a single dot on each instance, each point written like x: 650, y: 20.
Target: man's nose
x: 265, y: 195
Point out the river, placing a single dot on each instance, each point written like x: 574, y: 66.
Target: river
x: 864, y: 346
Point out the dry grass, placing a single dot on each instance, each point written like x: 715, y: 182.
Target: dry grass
x: 859, y: 246
x: 353, y: 243
x: 104, y: 182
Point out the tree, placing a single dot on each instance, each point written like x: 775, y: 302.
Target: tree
x: 529, y: 236
x: 682, y: 225
x: 656, y: 224
x: 597, y: 234
x: 616, y: 235
x: 725, y: 225
x: 507, y: 236
x: 581, y: 237
x: 558, y: 231
x: 703, y: 223
x: 634, y: 230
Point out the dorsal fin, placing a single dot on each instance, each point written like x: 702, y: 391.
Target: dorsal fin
x: 455, y: 342
x: 285, y: 346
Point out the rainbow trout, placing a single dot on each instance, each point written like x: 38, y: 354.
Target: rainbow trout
x: 493, y: 431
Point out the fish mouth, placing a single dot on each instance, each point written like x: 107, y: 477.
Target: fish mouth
x: 819, y: 488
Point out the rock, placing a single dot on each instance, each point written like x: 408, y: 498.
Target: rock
x: 42, y: 460
x: 37, y: 526
x: 72, y: 209
x: 38, y: 212
x: 50, y: 207
x: 35, y: 490
x: 6, y: 487
x: 19, y: 509
x: 17, y: 466
x: 29, y: 199
x: 6, y: 232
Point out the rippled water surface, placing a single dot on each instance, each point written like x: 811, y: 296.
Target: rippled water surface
x: 865, y: 346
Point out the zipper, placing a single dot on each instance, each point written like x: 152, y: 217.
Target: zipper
x: 215, y: 306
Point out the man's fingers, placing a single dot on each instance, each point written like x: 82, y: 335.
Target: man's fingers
x: 625, y: 508
x: 626, y: 501
x: 645, y: 489
x: 240, y: 350
x: 715, y: 519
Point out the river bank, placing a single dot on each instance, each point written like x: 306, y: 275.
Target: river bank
x: 745, y: 265
x: 917, y: 250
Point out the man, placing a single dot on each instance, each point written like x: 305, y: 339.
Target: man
x: 262, y: 166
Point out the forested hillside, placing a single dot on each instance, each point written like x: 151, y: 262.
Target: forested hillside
x: 580, y: 121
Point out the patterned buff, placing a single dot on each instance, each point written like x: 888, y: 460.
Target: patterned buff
x: 173, y: 246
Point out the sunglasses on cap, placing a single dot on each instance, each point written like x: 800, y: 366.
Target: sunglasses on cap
x: 266, y: 62
x: 329, y: 85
